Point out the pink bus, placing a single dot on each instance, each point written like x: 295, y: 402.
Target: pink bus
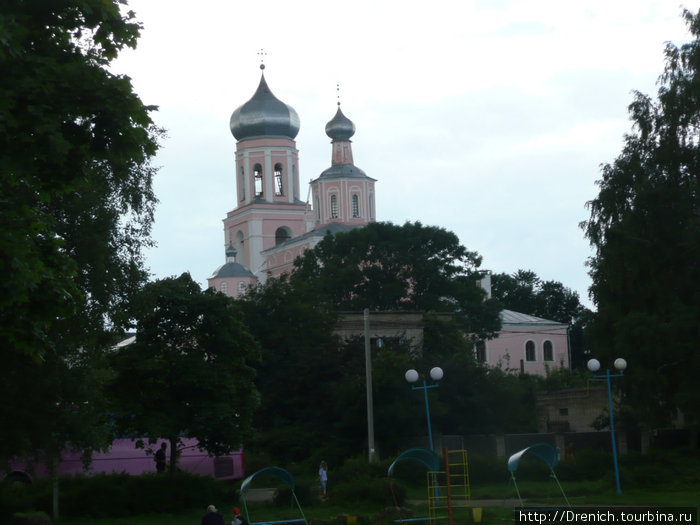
x: 123, y: 456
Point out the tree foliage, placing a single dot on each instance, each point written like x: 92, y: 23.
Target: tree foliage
x: 189, y: 373
x: 644, y: 227
x: 76, y: 205
x: 75, y: 142
x: 299, y: 370
x: 411, y: 267
x: 525, y: 292
x: 313, y: 385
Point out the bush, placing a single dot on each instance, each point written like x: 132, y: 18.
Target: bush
x: 373, y: 491
x: 589, y: 465
x: 483, y: 469
x: 302, y: 490
x: 116, y: 495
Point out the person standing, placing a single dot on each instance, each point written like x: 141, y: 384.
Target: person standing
x: 238, y: 518
x: 212, y: 517
x: 160, y: 458
x: 323, y: 477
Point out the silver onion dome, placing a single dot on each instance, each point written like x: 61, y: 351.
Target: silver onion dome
x: 340, y: 127
x: 264, y: 115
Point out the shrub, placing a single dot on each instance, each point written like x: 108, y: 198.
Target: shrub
x: 302, y: 490
x: 115, y: 495
x: 374, y: 491
x: 483, y: 469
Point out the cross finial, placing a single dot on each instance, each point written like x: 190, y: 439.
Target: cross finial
x: 337, y: 88
x: 262, y: 56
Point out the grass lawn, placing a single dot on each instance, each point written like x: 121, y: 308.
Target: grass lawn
x: 498, y: 510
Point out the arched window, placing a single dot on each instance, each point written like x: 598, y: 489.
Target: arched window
x: 334, y: 206
x: 241, y: 183
x: 318, y: 210
x: 355, y: 205
x: 241, y: 288
x: 258, y: 177
x: 282, y: 234
x: 371, y: 208
x: 279, y: 188
x: 480, y: 352
x: 224, y: 288
x: 530, y: 351
x: 547, y: 351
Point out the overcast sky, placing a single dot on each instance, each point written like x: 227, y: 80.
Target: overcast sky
x: 489, y: 118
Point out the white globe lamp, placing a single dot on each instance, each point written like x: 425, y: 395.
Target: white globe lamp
x: 436, y: 373
x: 620, y: 364
x: 593, y: 365
x: 411, y: 376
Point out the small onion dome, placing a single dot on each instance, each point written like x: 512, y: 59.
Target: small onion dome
x: 264, y: 115
x: 340, y: 127
x: 231, y: 252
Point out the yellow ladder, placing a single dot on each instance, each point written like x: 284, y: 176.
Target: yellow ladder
x: 450, y: 488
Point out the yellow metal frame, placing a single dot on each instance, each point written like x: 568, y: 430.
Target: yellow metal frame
x: 450, y: 488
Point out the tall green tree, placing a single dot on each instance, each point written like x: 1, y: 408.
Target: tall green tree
x: 76, y: 205
x: 76, y: 191
x: 299, y: 370
x: 525, y: 292
x: 644, y: 226
x: 190, y: 371
x: 388, y: 267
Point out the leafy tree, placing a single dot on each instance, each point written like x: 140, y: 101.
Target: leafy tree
x: 644, y: 228
x: 189, y: 373
x: 411, y: 267
x: 525, y: 292
x: 77, y: 201
x: 76, y: 205
x: 473, y: 399
x: 299, y: 369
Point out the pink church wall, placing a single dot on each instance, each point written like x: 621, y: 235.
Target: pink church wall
x: 344, y: 191
x: 230, y: 285
x: 281, y: 262
x: 508, y: 349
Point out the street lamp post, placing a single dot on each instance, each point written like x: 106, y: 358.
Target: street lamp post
x: 435, y: 374
x: 620, y: 364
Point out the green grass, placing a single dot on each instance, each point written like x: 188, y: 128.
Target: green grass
x: 500, y: 512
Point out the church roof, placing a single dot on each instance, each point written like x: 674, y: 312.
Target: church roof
x: 509, y: 317
x: 231, y: 269
x: 344, y: 171
x: 333, y: 228
x: 264, y: 115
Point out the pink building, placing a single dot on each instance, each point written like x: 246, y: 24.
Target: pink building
x: 270, y: 226
x: 526, y: 344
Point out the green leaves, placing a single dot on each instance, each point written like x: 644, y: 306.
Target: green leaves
x: 189, y: 373
x: 76, y: 207
x: 387, y: 267
x: 644, y: 226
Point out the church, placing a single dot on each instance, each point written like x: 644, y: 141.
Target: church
x: 270, y: 225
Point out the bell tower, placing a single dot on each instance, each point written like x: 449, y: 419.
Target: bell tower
x: 342, y: 193
x: 268, y: 208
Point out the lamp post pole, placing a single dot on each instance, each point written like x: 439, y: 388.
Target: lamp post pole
x: 435, y: 374
x: 368, y: 382
x: 620, y: 364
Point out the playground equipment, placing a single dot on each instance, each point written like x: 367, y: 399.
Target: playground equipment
x: 283, y: 476
x: 546, y: 453
x: 447, y: 490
